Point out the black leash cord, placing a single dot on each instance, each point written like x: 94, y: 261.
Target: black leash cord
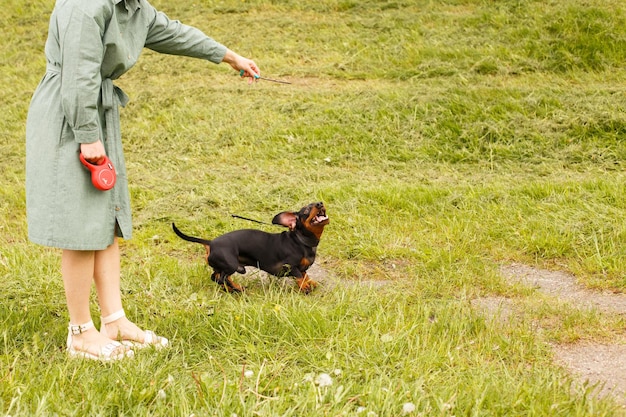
x: 251, y: 220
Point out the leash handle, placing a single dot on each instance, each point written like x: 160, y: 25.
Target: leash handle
x: 257, y: 77
x: 102, y: 175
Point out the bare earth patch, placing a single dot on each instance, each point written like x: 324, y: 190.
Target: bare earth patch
x: 564, y: 287
x: 601, y: 365
x: 500, y: 309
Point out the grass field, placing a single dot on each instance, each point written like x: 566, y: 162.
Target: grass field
x: 445, y: 137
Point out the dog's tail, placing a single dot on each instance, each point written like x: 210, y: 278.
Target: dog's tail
x: 190, y: 238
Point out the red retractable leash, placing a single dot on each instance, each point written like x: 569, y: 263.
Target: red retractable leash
x: 102, y: 175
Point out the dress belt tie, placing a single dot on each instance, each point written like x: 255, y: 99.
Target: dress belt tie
x: 110, y: 92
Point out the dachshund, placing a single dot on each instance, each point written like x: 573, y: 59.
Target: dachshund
x: 289, y: 253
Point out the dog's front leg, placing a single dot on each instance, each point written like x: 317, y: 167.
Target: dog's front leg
x: 306, y: 284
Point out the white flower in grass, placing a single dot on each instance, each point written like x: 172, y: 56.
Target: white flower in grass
x: 337, y: 372
x: 408, y: 408
x: 323, y: 380
x: 386, y: 338
x: 248, y: 373
x: 161, y: 395
x: 361, y: 409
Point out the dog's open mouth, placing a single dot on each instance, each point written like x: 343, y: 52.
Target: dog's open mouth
x: 320, y: 217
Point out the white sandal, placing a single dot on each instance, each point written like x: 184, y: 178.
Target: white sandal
x: 107, y: 352
x: 150, y: 338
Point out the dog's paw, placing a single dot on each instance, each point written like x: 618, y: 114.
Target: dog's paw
x: 306, y: 284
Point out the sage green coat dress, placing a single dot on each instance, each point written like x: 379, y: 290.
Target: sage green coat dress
x: 91, y: 43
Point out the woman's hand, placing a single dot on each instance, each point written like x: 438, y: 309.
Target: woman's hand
x: 239, y: 63
x: 93, y: 152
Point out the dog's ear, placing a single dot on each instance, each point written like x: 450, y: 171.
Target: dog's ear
x: 287, y: 219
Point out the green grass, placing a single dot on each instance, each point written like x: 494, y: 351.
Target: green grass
x: 445, y: 137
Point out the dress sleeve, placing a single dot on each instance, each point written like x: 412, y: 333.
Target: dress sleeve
x: 82, y: 51
x: 174, y: 38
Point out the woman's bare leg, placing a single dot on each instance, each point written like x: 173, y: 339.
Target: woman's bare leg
x: 77, y: 268
x: 107, y: 277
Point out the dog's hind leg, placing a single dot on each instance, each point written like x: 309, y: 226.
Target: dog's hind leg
x: 208, y: 252
x: 233, y: 285
x: 226, y: 282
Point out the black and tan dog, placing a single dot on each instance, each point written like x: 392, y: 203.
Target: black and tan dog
x: 289, y: 253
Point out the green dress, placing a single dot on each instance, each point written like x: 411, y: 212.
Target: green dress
x: 91, y: 43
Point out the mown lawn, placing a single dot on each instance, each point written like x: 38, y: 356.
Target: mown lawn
x: 445, y: 137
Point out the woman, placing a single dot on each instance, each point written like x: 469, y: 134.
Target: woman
x: 75, y: 110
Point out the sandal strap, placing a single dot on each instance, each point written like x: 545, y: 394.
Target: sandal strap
x: 107, y: 350
x: 149, y: 337
x: 106, y: 353
x: 152, y: 339
x: 112, y: 317
x: 80, y: 328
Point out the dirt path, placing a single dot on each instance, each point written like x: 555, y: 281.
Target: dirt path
x: 564, y: 287
x: 603, y: 365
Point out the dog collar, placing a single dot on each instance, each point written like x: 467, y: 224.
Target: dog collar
x: 308, y: 241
